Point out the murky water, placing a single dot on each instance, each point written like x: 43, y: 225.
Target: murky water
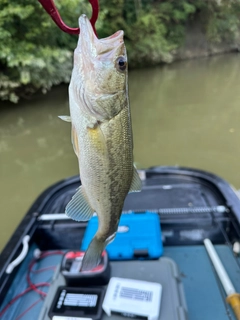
x: 184, y: 114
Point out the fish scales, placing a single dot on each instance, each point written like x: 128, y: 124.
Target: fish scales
x: 107, y: 176
x: 101, y: 135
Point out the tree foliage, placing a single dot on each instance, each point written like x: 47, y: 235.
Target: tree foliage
x: 221, y: 19
x: 35, y: 54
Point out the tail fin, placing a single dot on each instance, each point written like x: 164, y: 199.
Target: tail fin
x: 93, y: 254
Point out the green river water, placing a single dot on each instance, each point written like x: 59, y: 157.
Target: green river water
x: 187, y: 114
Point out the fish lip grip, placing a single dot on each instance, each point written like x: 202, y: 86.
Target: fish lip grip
x: 71, y: 265
x: 51, y: 9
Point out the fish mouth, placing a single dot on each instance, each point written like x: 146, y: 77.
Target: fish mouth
x: 103, y: 45
x: 114, y: 37
x: 86, y: 29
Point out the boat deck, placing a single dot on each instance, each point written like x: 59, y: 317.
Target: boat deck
x: 186, y: 203
x: 204, y: 294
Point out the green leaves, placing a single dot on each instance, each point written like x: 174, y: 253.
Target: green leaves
x: 35, y: 54
x: 222, y: 20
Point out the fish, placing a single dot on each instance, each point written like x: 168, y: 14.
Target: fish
x: 101, y: 135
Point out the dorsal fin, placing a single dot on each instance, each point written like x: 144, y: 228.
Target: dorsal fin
x: 136, y: 184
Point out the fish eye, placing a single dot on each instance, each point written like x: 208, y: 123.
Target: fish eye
x: 121, y: 64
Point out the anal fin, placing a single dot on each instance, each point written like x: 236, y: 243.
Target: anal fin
x: 78, y: 208
x: 136, y: 185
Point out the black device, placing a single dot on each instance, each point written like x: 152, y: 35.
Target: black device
x: 71, y: 265
x: 78, y: 302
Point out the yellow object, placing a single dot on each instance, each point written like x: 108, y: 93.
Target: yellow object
x: 234, y: 301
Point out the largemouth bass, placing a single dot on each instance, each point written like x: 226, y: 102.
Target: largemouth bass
x: 101, y: 135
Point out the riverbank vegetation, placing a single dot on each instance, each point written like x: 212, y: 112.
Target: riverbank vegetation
x: 35, y: 54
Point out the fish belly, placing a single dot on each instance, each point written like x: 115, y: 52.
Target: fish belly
x: 106, y: 169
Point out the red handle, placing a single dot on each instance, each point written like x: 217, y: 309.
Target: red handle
x: 50, y: 8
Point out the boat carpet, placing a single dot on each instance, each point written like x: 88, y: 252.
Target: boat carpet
x: 29, y: 305
x: 204, y: 294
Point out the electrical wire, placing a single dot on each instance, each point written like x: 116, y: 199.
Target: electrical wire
x: 44, y: 269
x: 32, y: 286
x: 28, y: 309
x: 32, y: 263
x: 41, y: 284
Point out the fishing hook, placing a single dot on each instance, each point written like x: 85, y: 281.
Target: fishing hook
x: 51, y: 9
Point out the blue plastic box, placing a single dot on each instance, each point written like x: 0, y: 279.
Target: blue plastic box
x: 138, y: 237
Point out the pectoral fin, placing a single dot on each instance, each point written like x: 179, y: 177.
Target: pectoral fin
x: 136, y: 185
x: 75, y: 141
x: 65, y: 118
x: 97, y: 139
x: 78, y: 208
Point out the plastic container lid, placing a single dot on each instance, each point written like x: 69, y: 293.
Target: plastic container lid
x: 164, y: 271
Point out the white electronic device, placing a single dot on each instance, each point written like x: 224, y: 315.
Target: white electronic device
x: 132, y: 298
